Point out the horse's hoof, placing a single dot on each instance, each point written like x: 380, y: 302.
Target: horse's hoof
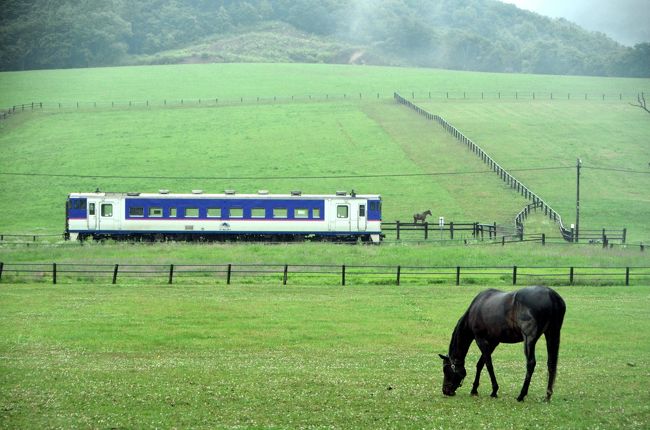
x: 520, y: 399
x: 474, y: 393
x: 494, y: 395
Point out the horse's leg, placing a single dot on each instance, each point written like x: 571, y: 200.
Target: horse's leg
x: 529, y: 349
x: 486, y: 356
x: 552, y: 348
x: 479, y: 369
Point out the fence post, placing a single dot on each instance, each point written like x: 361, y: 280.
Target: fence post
x: 627, y: 276
x: 624, y: 234
x: 228, y: 274
x: 284, y: 276
x: 397, y: 227
x: 451, y: 230
x: 343, y: 275
x: 54, y: 273
x: 514, y: 275
x: 399, y: 273
x: 457, y: 275
x: 571, y: 276
x: 171, y: 273
x: 2, y: 265
x: 426, y: 230
x: 115, y: 273
x: 543, y: 239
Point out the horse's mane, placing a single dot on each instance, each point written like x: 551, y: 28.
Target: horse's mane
x: 459, y: 343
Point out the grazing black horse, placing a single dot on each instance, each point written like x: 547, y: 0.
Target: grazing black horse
x: 494, y: 317
x: 421, y: 217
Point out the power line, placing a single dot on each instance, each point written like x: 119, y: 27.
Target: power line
x: 613, y: 169
x: 239, y: 178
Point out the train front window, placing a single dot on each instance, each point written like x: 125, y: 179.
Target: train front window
x: 107, y: 210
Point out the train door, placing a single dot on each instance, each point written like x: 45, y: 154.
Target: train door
x: 362, y: 218
x: 340, y: 220
x: 108, y: 215
x: 92, y: 214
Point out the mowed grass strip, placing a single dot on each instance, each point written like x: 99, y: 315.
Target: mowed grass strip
x: 261, y: 356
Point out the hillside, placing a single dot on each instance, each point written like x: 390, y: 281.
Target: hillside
x: 481, y: 35
x: 204, y: 126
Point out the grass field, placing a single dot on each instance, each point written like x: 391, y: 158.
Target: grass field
x: 346, y: 137
x: 252, y: 356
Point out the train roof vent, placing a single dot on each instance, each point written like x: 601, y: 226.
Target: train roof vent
x: 229, y: 192
x: 341, y: 193
x: 296, y: 193
x: 197, y: 191
x: 132, y: 194
x: 263, y: 192
x: 163, y: 191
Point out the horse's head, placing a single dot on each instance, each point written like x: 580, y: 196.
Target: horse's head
x: 428, y: 212
x: 454, y: 373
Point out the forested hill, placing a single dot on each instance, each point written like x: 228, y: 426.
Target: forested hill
x: 483, y: 35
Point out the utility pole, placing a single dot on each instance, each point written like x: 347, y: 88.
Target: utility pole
x: 577, y: 231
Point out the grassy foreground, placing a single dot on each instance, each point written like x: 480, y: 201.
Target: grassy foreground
x: 252, y: 356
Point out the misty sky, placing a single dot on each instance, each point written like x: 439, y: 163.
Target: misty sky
x: 626, y: 21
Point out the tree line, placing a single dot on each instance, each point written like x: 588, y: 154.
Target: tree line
x: 482, y: 35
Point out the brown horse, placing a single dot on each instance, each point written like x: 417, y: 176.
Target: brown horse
x: 494, y: 317
x: 421, y: 217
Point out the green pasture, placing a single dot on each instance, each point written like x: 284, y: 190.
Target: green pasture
x: 319, y: 147
x: 232, y: 81
x: 324, y: 143
x: 609, y: 138
x: 290, y: 357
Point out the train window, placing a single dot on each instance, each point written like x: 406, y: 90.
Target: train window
x: 191, y: 212
x: 301, y: 213
x: 342, y: 211
x: 362, y: 210
x: 107, y: 210
x: 136, y: 212
x: 375, y: 206
x: 91, y: 208
x: 172, y: 212
x: 236, y: 213
x: 214, y: 212
x: 315, y: 213
x: 155, y: 212
x: 258, y: 213
x: 280, y: 212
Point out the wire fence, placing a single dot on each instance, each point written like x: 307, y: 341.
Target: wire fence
x: 421, y: 95
x: 321, y: 274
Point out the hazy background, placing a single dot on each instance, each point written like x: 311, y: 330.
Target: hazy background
x: 626, y: 21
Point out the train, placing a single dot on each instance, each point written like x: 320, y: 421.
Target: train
x: 197, y: 216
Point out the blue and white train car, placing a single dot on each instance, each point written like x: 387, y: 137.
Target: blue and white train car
x: 198, y: 216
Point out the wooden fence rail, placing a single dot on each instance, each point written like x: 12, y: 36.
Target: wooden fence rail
x: 343, y: 275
